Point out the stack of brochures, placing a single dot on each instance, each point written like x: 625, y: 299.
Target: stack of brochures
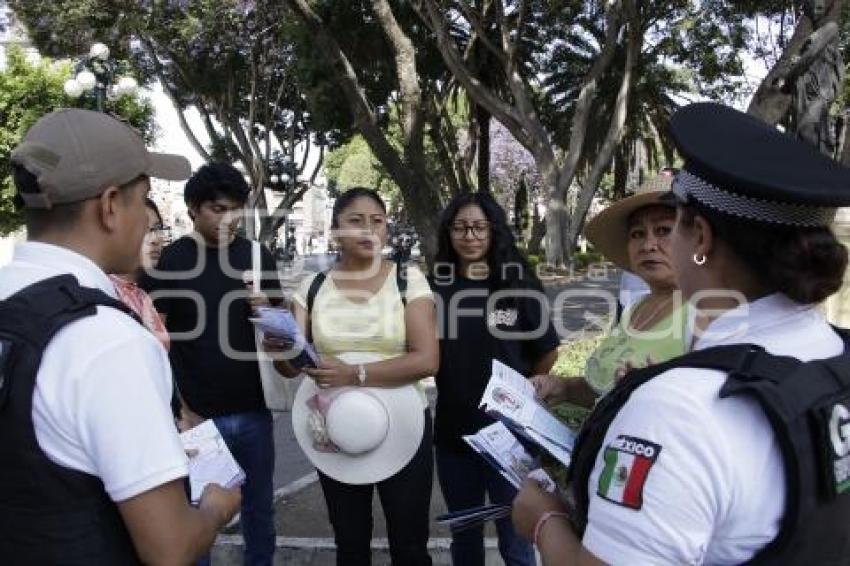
x: 510, y: 397
x: 212, y: 461
x: 496, y: 444
x: 280, y: 323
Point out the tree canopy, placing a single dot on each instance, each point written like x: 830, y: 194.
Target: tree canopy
x: 586, y: 87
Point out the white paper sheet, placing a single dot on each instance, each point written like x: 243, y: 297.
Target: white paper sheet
x: 510, y: 397
x: 213, y: 463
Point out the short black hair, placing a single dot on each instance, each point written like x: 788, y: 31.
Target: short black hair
x: 59, y: 217
x: 214, y: 181
x: 39, y: 220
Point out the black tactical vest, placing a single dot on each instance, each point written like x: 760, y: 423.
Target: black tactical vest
x: 49, y: 514
x: 808, y: 406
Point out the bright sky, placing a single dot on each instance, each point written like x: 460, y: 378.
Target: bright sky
x: 171, y: 138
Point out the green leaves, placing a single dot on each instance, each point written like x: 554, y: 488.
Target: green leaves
x: 29, y: 90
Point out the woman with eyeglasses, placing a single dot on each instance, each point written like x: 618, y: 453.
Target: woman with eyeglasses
x: 492, y: 306
x: 126, y: 283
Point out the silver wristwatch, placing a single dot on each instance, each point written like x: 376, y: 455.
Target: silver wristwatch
x: 361, y: 374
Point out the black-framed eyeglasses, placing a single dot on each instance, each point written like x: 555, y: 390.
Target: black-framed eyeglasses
x: 479, y: 230
x: 158, y: 229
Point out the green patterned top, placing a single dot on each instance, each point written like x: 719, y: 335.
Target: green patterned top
x: 663, y: 341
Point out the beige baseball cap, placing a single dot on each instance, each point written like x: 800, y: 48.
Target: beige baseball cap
x: 77, y: 154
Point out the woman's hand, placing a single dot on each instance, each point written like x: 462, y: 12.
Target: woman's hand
x: 628, y: 366
x: 529, y: 505
x: 550, y: 389
x: 333, y: 373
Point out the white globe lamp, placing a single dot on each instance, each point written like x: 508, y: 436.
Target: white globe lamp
x: 99, y: 51
x: 73, y: 88
x: 126, y: 85
x: 87, y: 80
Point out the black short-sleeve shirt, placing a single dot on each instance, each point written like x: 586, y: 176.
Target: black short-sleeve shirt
x: 468, y: 345
x: 212, y: 382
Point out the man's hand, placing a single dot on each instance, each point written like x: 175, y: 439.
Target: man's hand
x: 188, y: 419
x: 258, y: 299
x: 333, y: 373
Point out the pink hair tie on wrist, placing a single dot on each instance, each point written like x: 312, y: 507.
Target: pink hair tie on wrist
x: 542, y: 521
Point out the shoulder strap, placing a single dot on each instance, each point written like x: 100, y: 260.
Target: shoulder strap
x: 63, y: 293
x: 401, y: 282
x: 319, y: 279
x: 34, y: 315
x: 313, y: 290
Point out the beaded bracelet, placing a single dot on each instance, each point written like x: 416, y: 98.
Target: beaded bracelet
x: 542, y: 521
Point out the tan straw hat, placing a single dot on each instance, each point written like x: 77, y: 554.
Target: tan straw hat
x: 608, y: 230
x: 361, y: 435
x: 77, y: 154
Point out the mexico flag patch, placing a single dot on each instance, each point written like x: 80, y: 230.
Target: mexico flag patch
x: 627, y: 464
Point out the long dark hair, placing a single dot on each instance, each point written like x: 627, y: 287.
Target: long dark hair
x: 508, y: 268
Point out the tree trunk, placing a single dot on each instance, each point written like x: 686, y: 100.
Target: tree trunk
x: 772, y: 98
x: 538, y: 231
x: 483, y: 119
x: 407, y: 169
x: 612, y: 138
x: 517, y: 111
x: 621, y: 173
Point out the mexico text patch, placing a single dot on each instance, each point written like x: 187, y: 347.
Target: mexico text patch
x: 627, y: 464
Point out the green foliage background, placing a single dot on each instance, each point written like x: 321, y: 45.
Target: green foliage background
x: 30, y: 90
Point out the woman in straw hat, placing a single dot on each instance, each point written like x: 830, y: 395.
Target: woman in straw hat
x: 738, y: 451
x: 634, y: 233
x: 360, y: 417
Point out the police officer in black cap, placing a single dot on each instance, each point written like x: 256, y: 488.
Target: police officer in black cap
x: 740, y: 450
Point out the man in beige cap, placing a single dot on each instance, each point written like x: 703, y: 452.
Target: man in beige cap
x: 92, y: 469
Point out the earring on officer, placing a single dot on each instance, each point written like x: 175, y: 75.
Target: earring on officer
x: 699, y: 259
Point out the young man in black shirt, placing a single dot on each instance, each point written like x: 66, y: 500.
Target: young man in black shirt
x: 199, y: 288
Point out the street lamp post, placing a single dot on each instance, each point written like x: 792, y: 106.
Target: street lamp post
x: 97, y: 73
x: 282, y: 180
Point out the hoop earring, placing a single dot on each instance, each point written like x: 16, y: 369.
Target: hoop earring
x: 699, y: 259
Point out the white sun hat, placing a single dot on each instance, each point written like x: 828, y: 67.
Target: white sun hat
x: 372, y: 432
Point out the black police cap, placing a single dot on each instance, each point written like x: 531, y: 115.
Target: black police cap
x: 739, y: 165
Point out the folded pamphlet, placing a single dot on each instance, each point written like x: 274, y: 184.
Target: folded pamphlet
x: 510, y: 397
x: 213, y: 462
x: 501, y: 449
x: 496, y: 444
x: 280, y: 323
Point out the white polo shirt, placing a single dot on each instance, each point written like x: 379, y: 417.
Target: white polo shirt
x: 688, y: 478
x: 102, y: 398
